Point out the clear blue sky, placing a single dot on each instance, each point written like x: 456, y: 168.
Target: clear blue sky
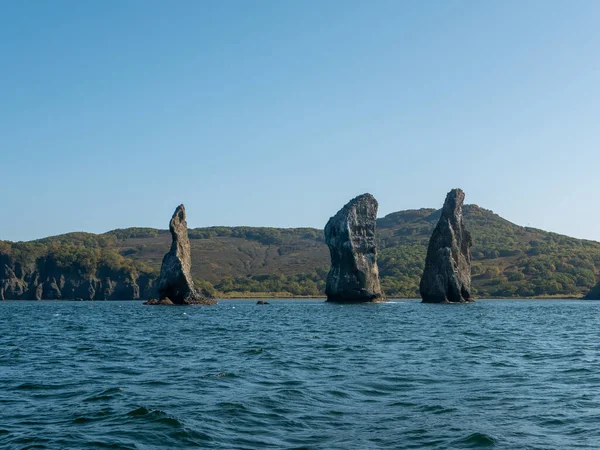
x: 276, y: 113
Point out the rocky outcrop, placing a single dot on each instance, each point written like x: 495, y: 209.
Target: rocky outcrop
x: 447, y: 274
x: 350, y: 236
x: 175, y: 282
x: 42, y: 280
x: 164, y: 302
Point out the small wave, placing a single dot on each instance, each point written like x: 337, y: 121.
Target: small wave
x: 34, y: 387
x: 155, y: 383
x: 552, y: 422
x: 338, y: 393
x: 172, y: 421
x: 476, y: 440
x: 155, y: 415
x: 119, y: 445
x: 502, y: 364
x: 292, y: 383
x: 121, y: 370
x: 255, y: 351
x: 141, y: 411
x: 11, y: 353
x: 330, y: 346
x: 401, y: 404
x: 193, y: 436
x: 288, y: 393
x: 27, y: 442
x: 95, y: 416
x: 372, y: 393
x: 437, y: 409
x: 232, y: 406
x: 578, y: 370
x: 105, y: 395
x: 82, y: 420
x: 226, y: 375
x: 223, y: 374
x: 477, y: 347
x: 312, y: 336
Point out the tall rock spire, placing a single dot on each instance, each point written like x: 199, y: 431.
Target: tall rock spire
x: 175, y: 283
x: 447, y: 274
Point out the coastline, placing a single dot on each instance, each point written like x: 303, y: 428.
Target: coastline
x: 282, y: 296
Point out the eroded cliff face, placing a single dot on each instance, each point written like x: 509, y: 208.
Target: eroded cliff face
x: 350, y: 236
x: 447, y: 274
x: 43, y: 280
x: 175, y: 283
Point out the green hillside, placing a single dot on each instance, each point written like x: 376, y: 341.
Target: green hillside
x: 508, y: 260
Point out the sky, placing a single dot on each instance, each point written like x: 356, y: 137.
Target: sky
x: 277, y: 113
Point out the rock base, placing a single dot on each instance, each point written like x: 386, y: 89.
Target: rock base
x: 168, y: 302
x: 445, y: 301
x: 360, y: 299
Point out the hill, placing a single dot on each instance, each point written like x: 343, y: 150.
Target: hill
x: 508, y: 260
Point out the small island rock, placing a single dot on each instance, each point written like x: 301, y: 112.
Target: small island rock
x: 154, y: 301
x: 447, y: 274
x: 175, y: 284
x: 350, y: 236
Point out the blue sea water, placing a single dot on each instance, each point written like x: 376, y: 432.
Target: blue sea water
x: 300, y: 375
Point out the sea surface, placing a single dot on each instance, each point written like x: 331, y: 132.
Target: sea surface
x: 300, y: 374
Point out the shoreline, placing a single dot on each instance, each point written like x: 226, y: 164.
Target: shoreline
x: 302, y: 297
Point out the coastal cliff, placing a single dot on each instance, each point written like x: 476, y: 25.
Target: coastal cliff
x: 45, y: 279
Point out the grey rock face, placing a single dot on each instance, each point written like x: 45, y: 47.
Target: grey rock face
x: 350, y: 236
x: 42, y: 280
x: 175, y: 281
x: 39, y: 291
x: 447, y: 274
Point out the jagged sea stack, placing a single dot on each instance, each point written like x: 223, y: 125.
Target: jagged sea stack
x: 447, y: 274
x: 350, y: 235
x: 175, y: 284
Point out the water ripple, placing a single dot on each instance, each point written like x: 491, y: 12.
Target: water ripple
x: 300, y: 375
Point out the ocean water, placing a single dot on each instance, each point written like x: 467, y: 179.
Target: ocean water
x: 300, y: 375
